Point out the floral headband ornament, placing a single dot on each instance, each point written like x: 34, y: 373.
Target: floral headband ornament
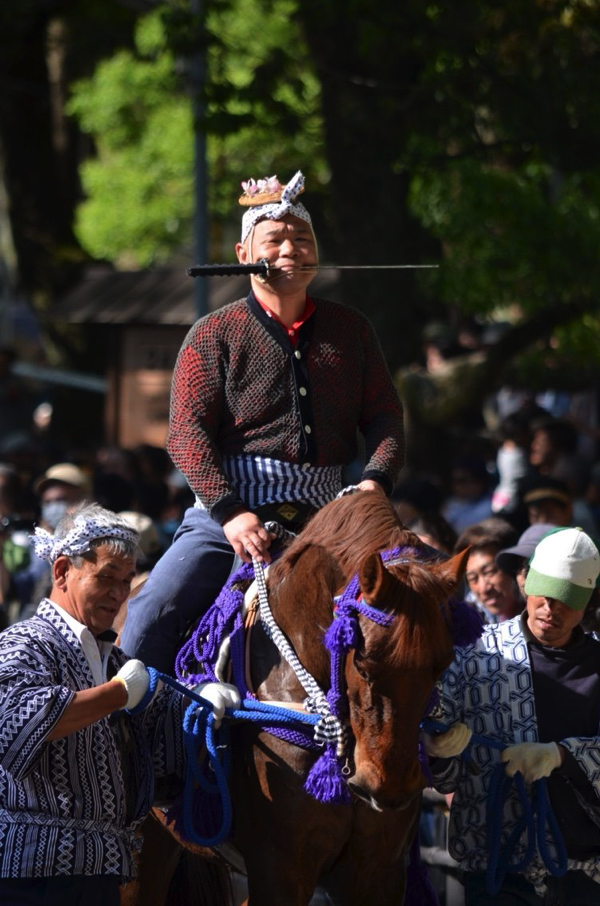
x: 267, y: 199
x: 78, y: 540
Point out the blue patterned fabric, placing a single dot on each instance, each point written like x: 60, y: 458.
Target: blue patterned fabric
x: 489, y: 688
x: 73, y: 806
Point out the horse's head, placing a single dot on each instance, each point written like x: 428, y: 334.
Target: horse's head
x: 391, y: 673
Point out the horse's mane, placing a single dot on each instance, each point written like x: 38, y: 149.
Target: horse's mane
x: 351, y: 528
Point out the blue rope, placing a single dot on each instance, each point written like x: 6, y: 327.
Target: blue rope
x: 199, y: 729
x: 537, y: 814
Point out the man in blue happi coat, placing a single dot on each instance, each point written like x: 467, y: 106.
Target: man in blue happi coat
x: 77, y: 767
x: 531, y: 684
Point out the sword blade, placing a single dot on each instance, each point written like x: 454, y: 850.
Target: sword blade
x: 364, y: 267
x: 262, y: 269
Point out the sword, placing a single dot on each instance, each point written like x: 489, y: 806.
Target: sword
x: 262, y: 268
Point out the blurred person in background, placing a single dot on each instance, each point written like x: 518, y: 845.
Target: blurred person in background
x: 554, y: 452
x: 512, y: 462
x: 15, y: 522
x: 470, y: 498
x: 515, y: 560
x: 494, y: 592
x: 433, y: 529
x: 62, y: 486
x: 59, y: 489
x: 548, y: 499
x: 414, y: 496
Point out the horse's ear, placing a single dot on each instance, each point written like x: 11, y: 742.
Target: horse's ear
x: 452, y: 570
x: 373, y: 577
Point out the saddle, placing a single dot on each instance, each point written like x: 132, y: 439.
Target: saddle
x: 291, y: 514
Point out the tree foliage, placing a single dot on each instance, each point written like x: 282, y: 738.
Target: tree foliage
x: 516, y: 201
x: 465, y: 134
x: 138, y: 107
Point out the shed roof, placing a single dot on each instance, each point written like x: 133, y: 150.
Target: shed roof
x: 157, y: 296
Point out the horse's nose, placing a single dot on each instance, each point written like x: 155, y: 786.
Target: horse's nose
x: 378, y: 803
x: 398, y: 795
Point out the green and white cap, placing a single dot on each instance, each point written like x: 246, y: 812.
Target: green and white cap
x: 565, y: 566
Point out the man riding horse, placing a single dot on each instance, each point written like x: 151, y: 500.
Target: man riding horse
x: 267, y: 397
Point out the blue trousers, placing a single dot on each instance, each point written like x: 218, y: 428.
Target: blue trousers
x: 179, y: 590
x: 79, y: 890
x: 573, y: 889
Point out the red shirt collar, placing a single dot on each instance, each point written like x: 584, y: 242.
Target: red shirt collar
x: 292, y: 331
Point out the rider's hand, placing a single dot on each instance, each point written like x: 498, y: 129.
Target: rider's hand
x: 248, y: 536
x: 221, y: 696
x: 136, y: 679
x: 369, y: 485
x: 448, y: 744
x: 533, y: 759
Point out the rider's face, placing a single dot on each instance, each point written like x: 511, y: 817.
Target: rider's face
x: 289, y: 247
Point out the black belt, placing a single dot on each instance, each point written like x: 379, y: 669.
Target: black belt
x: 292, y: 514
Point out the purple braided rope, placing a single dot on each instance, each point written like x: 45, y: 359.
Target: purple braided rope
x: 203, y: 645
x: 342, y: 634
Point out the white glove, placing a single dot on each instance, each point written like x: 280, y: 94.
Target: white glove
x: 533, y: 759
x: 221, y: 696
x: 136, y: 679
x: 448, y: 744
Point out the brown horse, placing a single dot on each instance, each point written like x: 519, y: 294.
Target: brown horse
x: 290, y: 842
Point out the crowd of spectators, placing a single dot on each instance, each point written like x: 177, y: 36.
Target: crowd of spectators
x: 534, y: 468
x: 140, y: 483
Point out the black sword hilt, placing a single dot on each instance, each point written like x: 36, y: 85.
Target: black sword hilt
x: 229, y: 270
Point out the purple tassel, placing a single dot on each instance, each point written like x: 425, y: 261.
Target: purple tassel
x: 466, y: 623
x: 419, y: 889
x: 325, y: 781
x: 342, y: 633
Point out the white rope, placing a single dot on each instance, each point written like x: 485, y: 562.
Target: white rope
x: 329, y: 728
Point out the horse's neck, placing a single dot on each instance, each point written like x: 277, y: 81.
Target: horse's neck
x: 303, y: 619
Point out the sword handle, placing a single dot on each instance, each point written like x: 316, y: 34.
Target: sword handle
x: 229, y: 270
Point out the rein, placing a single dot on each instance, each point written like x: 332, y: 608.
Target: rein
x: 199, y: 730
x: 537, y: 815
x: 329, y: 728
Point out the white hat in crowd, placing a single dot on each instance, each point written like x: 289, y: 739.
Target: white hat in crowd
x: 565, y: 566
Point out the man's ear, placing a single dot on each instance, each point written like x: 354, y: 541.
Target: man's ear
x: 60, y: 570
x: 242, y: 253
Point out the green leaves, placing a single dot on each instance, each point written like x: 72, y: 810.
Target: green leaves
x: 259, y: 108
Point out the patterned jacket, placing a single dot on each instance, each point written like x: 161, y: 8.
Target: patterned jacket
x: 73, y: 805
x: 241, y: 387
x: 489, y: 688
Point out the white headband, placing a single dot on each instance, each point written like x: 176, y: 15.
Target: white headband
x: 278, y: 209
x: 78, y: 540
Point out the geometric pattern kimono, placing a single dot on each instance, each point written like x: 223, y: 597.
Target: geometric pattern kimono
x: 489, y: 688
x: 73, y: 806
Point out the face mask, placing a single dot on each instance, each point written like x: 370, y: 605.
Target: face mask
x: 53, y: 511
